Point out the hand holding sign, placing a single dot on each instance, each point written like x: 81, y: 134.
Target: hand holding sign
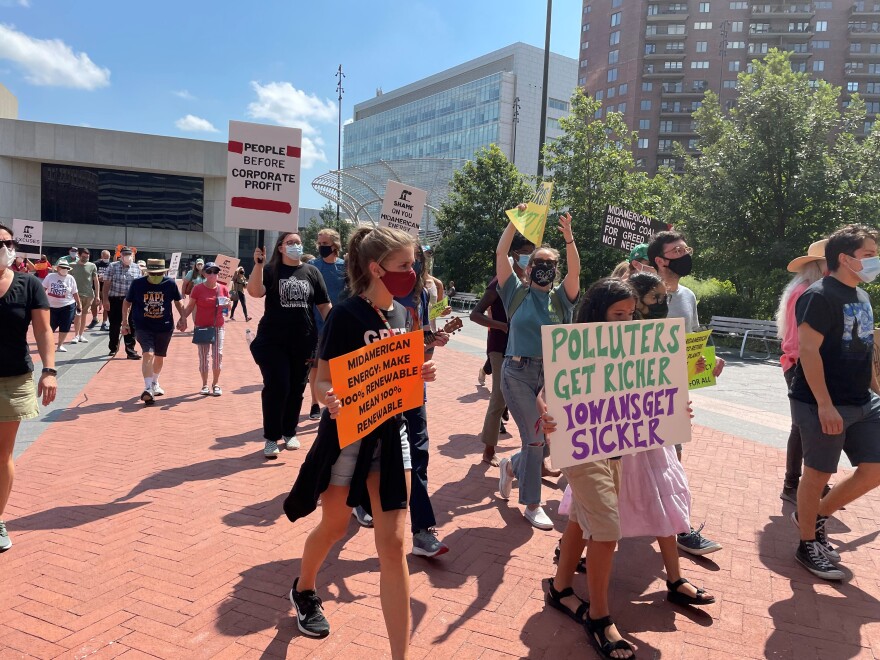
x: 531, y: 219
x: 333, y: 404
x: 429, y: 371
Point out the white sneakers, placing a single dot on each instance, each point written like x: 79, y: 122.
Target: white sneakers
x: 290, y: 442
x: 535, y: 516
x: 538, y: 518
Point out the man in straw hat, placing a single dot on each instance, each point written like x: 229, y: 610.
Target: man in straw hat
x: 150, y: 298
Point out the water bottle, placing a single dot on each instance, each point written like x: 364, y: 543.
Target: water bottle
x: 248, y: 336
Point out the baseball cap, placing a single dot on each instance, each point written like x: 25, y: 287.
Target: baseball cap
x: 639, y: 253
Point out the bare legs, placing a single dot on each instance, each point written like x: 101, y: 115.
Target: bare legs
x: 8, y: 431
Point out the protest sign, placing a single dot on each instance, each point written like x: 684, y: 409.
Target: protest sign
x: 376, y: 382
x: 532, y: 222
x: 437, y: 308
x: 624, y: 229
x: 227, y: 267
x: 615, y: 388
x: 262, y: 176
x: 174, y: 264
x: 402, y: 207
x: 696, y: 348
x: 28, y: 234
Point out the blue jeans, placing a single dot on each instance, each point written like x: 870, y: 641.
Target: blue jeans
x: 421, y: 512
x: 520, y: 382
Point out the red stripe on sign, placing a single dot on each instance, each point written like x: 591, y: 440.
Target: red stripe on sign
x: 235, y: 146
x: 293, y: 152
x: 255, y: 204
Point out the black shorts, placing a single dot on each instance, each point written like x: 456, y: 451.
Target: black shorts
x: 860, y: 439
x: 154, y: 342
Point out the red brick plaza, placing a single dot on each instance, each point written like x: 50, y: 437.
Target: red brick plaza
x: 158, y: 532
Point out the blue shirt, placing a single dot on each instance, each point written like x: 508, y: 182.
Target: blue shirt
x: 151, y: 304
x: 524, y: 334
x: 334, y: 280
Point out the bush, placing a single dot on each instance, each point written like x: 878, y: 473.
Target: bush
x: 718, y: 298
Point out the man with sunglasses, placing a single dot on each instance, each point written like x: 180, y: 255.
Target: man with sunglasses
x: 670, y: 255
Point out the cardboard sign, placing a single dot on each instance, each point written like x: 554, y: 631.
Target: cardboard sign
x: 28, y: 234
x: 262, y: 176
x: 377, y: 382
x: 174, y: 264
x: 696, y: 348
x: 437, y: 308
x: 623, y: 229
x: 227, y: 268
x: 532, y: 222
x: 402, y: 207
x: 615, y: 388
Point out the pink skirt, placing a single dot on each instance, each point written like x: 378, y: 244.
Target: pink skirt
x: 654, y: 496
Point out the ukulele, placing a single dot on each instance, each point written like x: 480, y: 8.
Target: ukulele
x: 452, y: 326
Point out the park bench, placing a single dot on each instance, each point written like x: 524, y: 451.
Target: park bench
x: 464, y: 302
x: 727, y: 326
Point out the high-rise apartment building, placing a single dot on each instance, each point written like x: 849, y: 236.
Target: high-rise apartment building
x: 653, y: 60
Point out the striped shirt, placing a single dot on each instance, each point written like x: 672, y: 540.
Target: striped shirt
x: 120, y: 278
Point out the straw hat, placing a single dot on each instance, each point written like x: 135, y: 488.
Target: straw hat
x: 156, y: 267
x: 816, y: 252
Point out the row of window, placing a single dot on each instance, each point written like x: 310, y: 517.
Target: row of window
x: 665, y: 144
x: 705, y: 7
x: 866, y: 88
x: 612, y: 92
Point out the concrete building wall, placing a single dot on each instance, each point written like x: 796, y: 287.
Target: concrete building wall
x: 8, y: 104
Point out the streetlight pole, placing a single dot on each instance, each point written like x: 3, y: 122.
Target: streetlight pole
x: 340, y: 91
x: 516, y: 107
x: 544, y: 92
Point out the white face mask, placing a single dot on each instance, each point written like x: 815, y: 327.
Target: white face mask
x: 126, y: 259
x: 7, y: 256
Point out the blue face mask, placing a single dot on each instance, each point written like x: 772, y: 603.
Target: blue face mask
x: 294, y: 251
x: 523, y: 260
x: 870, y: 269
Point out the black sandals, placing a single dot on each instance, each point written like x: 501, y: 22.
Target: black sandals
x: 596, y: 630
x: 679, y: 598
x: 554, y: 599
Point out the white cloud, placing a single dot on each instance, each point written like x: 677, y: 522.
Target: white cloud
x: 51, y: 62
x: 195, y: 124
x: 284, y: 104
x: 184, y: 94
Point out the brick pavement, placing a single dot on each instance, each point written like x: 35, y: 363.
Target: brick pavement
x: 159, y: 532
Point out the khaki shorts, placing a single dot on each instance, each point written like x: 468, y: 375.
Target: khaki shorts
x: 594, y: 490
x: 18, y: 398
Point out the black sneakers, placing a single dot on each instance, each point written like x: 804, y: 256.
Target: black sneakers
x: 309, y: 614
x: 315, y: 412
x: 821, y: 537
x: 811, y: 556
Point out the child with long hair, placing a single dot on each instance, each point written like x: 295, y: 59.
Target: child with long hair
x: 375, y: 470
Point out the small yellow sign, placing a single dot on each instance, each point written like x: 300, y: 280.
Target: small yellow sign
x: 696, y: 348
x: 438, y: 308
x: 531, y: 222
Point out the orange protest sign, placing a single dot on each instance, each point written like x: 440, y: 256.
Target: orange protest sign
x: 377, y: 382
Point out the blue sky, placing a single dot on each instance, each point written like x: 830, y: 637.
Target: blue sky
x: 185, y: 68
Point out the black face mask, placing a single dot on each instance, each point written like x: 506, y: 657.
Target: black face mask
x: 543, y: 275
x: 325, y: 250
x: 681, y: 266
x: 658, y: 310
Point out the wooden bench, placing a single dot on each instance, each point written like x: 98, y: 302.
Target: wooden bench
x: 464, y: 302
x: 727, y: 326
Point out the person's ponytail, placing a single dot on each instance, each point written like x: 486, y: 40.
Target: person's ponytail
x: 367, y: 245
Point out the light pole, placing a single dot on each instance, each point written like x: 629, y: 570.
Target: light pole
x: 340, y: 91
x: 516, y: 107
x: 543, y: 134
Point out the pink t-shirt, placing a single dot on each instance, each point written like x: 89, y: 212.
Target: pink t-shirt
x: 207, y: 311
x: 790, y: 345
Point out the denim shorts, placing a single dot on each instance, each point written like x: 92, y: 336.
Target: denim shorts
x: 343, y: 469
x: 860, y: 439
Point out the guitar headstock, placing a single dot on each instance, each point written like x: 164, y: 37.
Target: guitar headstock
x: 450, y: 328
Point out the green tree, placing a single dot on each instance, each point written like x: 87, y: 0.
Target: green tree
x: 326, y: 219
x: 472, y: 218
x: 592, y: 166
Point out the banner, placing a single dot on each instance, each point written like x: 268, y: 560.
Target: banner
x: 262, y: 176
x: 377, y: 382
x: 402, y: 207
x: 623, y: 229
x: 438, y: 308
x: 696, y: 348
x: 174, y: 264
x: 28, y: 234
x: 227, y: 268
x: 615, y: 388
x: 532, y: 222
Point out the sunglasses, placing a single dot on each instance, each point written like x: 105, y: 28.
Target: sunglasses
x: 543, y: 262
x: 212, y: 271
x: 8, y: 244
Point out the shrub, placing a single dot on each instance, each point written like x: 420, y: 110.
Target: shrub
x: 718, y: 298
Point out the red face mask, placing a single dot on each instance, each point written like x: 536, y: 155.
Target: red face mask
x: 399, y: 284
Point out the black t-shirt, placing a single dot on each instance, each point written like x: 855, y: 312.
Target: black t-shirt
x: 843, y: 316
x: 151, y: 304
x: 290, y: 299
x: 103, y: 265
x: 25, y: 294
x: 354, y: 324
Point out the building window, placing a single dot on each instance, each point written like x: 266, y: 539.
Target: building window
x: 616, y: 3
x: 822, y: 5
x: 582, y: 81
x: 664, y: 145
x: 615, y: 19
x: 872, y: 88
x: 613, y: 56
x: 703, y: 25
x: 598, y: 114
x: 623, y: 89
x: 701, y: 64
x: 644, y: 124
x: 736, y: 45
x: 799, y: 67
x: 556, y: 104
x: 600, y: 94
x: 702, y: 46
x: 803, y: 26
x: 611, y: 93
x: 758, y: 48
x: 585, y: 45
x: 694, y: 144
x: 677, y: 28
x: 739, y: 5
x: 647, y: 86
x: 650, y: 49
x: 588, y: 9
x: 736, y: 26
x: 612, y: 75
x: 821, y: 26
x: 675, y: 47
x: 821, y: 44
x: 704, y: 7
x: 653, y: 10
x: 759, y: 28
x: 640, y: 162
x: 818, y: 65
x: 583, y: 64
x: 614, y: 38
x: 585, y: 27
x: 672, y: 66
x: 644, y: 143
x: 95, y: 196
x: 645, y: 104
x: 621, y: 107
x: 666, y: 126
x: 729, y: 84
x: 733, y: 66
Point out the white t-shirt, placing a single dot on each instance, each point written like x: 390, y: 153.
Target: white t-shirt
x: 683, y: 305
x: 60, y: 289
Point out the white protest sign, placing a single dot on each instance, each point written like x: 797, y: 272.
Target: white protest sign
x: 227, y: 267
x: 262, y: 176
x: 402, y: 207
x: 174, y: 264
x: 615, y: 388
x: 29, y: 236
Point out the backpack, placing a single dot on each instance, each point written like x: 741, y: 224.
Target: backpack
x: 555, y: 304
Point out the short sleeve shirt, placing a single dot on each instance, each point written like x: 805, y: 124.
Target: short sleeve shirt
x: 102, y: 265
x: 60, y: 290
x: 291, y: 295
x: 120, y: 278
x: 208, y: 313
x: 355, y: 324
x: 843, y: 316
x: 83, y: 273
x: 24, y: 295
x: 683, y: 305
x: 496, y: 342
x: 152, y: 304
x: 334, y: 277
x: 536, y: 310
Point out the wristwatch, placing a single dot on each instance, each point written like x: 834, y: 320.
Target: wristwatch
x: 50, y: 371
